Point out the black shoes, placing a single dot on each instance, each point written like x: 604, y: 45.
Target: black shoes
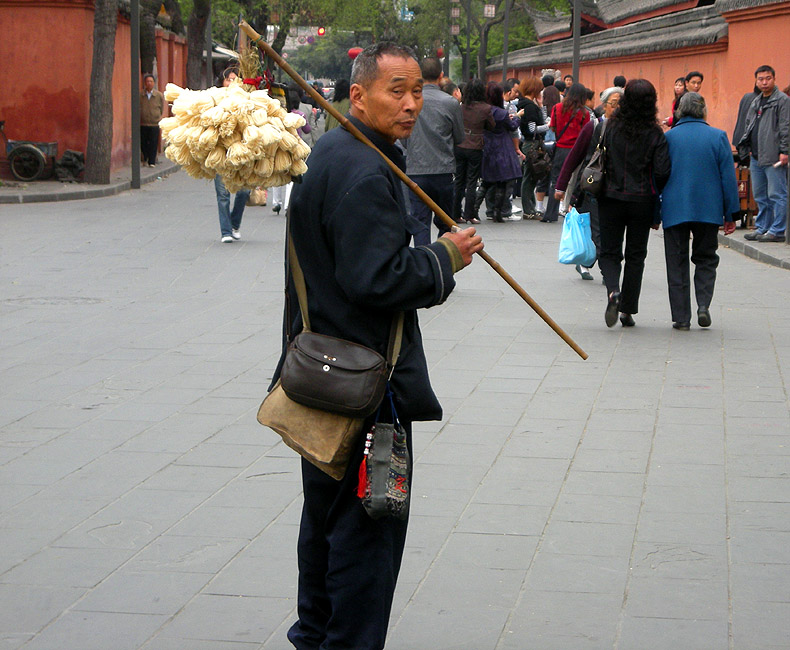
x: 769, y: 237
x: 685, y: 326
x: 754, y: 235
x: 276, y: 208
x: 626, y: 320
x: 703, y: 317
x: 612, y: 307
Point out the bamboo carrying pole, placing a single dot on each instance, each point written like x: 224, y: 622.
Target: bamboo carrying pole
x: 267, y: 49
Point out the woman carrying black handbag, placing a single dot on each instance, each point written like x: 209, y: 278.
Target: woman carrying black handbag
x: 580, y: 155
x: 637, y: 168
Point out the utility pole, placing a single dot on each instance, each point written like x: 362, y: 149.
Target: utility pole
x: 468, y: 33
x: 577, y: 28
x: 209, y: 51
x: 135, y: 81
x: 504, y: 41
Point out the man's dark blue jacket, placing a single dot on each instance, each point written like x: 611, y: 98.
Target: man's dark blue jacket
x: 348, y: 223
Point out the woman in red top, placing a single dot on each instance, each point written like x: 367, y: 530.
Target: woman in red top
x: 567, y: 120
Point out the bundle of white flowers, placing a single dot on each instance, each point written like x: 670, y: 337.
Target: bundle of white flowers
x: 247, y: 138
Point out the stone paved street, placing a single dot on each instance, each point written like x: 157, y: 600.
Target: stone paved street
x: 637, y: 500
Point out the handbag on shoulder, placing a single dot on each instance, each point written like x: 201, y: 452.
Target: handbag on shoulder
x: 593, y: 176
x: 327, y: 387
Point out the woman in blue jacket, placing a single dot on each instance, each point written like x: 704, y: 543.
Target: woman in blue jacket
x: 701, y: 194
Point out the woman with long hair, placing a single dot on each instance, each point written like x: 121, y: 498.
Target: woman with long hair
x: 533, y: 128
x: 500, y: 161
x: 567, y: 121
x: 469, y: 154
x: 637, y: 168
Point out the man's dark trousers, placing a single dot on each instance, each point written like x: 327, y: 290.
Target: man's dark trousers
x: 348, y: 564
x: 440, y: 188
x: 149, y: 143
x: 703, y: 254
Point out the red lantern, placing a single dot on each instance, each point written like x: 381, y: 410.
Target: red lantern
x: 440, y: 53
x: 354, y: 52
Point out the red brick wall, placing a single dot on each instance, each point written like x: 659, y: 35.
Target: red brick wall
x: 45, y: 81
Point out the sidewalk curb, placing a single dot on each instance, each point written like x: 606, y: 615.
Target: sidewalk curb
x: 79, y: 191
x: 754, y: 252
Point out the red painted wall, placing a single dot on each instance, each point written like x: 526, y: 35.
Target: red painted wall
x: 45, y: 83
x: 756, y: 37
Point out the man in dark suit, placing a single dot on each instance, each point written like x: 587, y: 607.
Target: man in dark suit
x: 349, y: 228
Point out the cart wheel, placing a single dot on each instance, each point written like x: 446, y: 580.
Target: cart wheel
x: 27, y: 162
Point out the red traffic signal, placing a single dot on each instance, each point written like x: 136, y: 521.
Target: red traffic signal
x: 321, y: 31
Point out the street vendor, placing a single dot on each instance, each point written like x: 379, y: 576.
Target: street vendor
x: 348, y: 226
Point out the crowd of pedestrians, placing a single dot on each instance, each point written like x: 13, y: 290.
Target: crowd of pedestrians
x: 486, y: 143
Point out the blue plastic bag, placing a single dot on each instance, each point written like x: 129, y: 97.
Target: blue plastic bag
x: 576, y: 244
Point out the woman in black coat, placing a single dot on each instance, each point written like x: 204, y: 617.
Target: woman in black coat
x: 637, y: 168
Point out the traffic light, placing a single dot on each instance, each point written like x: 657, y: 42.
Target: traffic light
x: 321, y: 31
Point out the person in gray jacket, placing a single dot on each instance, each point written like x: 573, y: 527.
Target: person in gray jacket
x: 765, y: 141
x: 430, y: 152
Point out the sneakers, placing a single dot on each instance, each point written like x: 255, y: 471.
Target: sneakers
x: 770, y: 237
x: 754, y: 235
x: 235, y: 233
x: 226, y: 239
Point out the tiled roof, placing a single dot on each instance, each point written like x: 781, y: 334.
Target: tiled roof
x: 700, y: 26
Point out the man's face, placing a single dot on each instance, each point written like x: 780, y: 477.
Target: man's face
x: 568, y: 82
x: 149, y: 84
x: 766, y: 82
x: 391, y: 103
x: 694, y: 84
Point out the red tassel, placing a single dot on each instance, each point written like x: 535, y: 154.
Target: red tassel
x: 362, y: 486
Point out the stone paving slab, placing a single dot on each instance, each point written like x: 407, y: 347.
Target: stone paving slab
x: 639, y: 499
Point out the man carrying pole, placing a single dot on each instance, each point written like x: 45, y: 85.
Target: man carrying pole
x: 348, y: 227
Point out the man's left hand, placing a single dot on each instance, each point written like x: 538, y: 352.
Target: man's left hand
x: 559, y: 195
x: 783, y: 159
x: 729, y: 227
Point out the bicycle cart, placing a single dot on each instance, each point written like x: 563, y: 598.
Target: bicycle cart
x: 28, y: 160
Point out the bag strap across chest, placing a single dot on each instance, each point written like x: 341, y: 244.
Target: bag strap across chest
x: 295, y: 270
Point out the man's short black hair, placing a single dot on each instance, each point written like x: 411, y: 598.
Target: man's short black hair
x: 765, y: 68
x: 509, y: 83
x: 366, y: 65
x: 547, y: 80
x: 695, y: 73
x: 431, y: 68
x: 148, y: 75
x: 568, y: 76
x: 619, y: 81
